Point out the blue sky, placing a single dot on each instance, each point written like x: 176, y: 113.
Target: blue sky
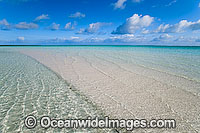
x: 123, y: 22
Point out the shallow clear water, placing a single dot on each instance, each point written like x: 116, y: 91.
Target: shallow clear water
x: 27, y: 87
x: 179, y: 61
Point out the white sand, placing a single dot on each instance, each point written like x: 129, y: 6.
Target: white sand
x: 128, y: 91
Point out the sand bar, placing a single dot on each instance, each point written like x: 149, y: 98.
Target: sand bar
x: 125, y: 90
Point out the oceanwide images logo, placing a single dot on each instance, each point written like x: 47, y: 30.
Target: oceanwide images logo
x: 30, y: 122
x: 46, y: 122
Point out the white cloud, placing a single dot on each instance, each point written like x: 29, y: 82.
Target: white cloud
x: 4, y: 22
x: 199, y: 5
x: 20, y: 39
x: 94, y: 40
x: 71, y: 39
x: 54, y: 40
x: 42, y: 17
x: 54, y: 26
x: 182, y: 26
x: 171, y: 3
x: 133, y: 24
x: 77, y: 15
x: 163, y: 37
x: 4, y: 25
x: 121, y: 38
x: 145, y: 31
x: 127, y: 38
x: 115, y: 38
x: 93, y: 28
x: 186, y: 39
x: 163, y: 28
x: 70, y: 26
x: 137, y: 1
x: 75, y: 39
x: 26, y: 26
x: 120, y: 4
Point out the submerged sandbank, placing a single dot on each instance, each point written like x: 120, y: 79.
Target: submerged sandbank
x: 126, y: 90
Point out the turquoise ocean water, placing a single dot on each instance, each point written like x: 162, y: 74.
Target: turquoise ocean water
x: 180, y: 61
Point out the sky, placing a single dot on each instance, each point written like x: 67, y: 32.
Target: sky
x: 100, y: 22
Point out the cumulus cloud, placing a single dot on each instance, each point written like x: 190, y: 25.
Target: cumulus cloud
x: 145, y: 31
x: 120, y: 4
x: 162, y: 37
x: 26, y: 26
x: 54, y: 26
x: 186, y: 39
x: 93, y: 28
x: 70, y: 26
x: 181, y: 39
x: 165, y: 36
x: 72, y: 39
x: 77, y: 15
x: 133, y: 24
x: 4, y: 22
x: 42, y: 17
x: 94, y: 40
x: 129, y: 38
x: 122, y: 38
x: 4, y: 25
x: 182, y: 26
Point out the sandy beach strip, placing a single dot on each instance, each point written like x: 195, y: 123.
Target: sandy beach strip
x: 126, y: 90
